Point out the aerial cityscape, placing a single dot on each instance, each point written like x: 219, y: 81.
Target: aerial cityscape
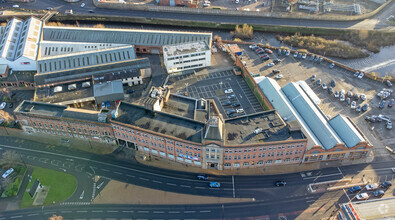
x: 188, y: 109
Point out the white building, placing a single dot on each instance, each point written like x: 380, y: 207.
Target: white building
x: 186, y: 56
x: 19, y: 44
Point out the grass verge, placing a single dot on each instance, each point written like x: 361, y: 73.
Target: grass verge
x: 62, y: 186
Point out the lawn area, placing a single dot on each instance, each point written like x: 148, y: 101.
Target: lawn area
x: 62, y: 186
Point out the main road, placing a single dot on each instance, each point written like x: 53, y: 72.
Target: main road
x: 375, y: 22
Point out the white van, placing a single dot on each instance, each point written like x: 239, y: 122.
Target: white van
x: 7, y: 173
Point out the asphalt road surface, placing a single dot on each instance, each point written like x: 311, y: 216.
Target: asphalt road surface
x: 61, y: 6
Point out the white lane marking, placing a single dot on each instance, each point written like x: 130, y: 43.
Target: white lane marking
x: 171, y: 184
x: 66, y: 211
x: 48, y: 213
x: 128, y: 211
x: 143, y: 178
x: 389, y: 168
x: 97, y: 211
x: 33, y: 214
x: 233, y: 183
x: 105, y: 170
x: 309, y: 201
x: 156, y: 181
x: 189, y: 211
x: 205, y: 211
x: 18, y: 216
x: 316, y: 177
x: 118, y: 173
x: 83, y: 211
x: 130, y: 175
x: 185, y: 186
x: 143, y: 211
x: 340, y: 171
x: 112, y: 211
x: 199, y: 187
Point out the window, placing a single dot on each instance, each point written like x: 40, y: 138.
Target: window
x: 246, y: 164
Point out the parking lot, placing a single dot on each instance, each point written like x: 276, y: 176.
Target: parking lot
x: 212, y: 85
x: 294, y: 69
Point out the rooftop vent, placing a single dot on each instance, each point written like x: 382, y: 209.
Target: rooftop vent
x: 29, y: 108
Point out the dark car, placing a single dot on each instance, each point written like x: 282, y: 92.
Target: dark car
x: 319, y: 82
x: 354, y: 189
x: 385, y: 184
x: 202, y: 177
x: 10, y: 105
x: 230, y: 111
x: 382, y: 104
x: 234, y: 114
x: 235, y: 105
x: 263, y: 55
x: 265, y: 58
x: 356, y: 96
x: 348, y: 101
x: 378, y: 193
x: 276, y: 60
x: 365, y: 107
x: 275, y: 71
x: 91, y: 11
x: 261, y: 52
x: 280, y: 183
x: 390, y: 103
x: 330, y: 90
x: 227, y: 103
x: 333, y: 83
x: 232, y: 96
x: 130, y: 91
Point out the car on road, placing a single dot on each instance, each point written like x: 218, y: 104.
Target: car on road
x: 360, y: 76
x: 333, y: 83
x: 354, y: 189
x: 270, y: 64
x: 7, y: 173
x: 378, y: 193
x: 280, y: 183
x: 393, y: 170
x: 215, y: 184
x: 2, y: 105
x: 279, y: 76
x: 49, y: 9
x: 91, y: 11
x: 332, y: 66
x: 230, y: 111
x: 362, y: 196
x: 275, y: 71
x: 231, y: 96
x: 15, y: 6
x: 382, y: 104
x: 372, y: 186
x: 356, y: 74
x: 82, y: 5
x: 385, y: 184
x: 228, y: 91
x: 235, y: 104
x: 324, y: 86
x: 319, y: 82
x: 336, y: 94
x: 70, y: 11
x: 391, y: 103
x: 108, y: 104
x: 202, y: 177
x: 353, y: 104
x: 365, y: 107
x: 227, y: 103
x: 313, y: 77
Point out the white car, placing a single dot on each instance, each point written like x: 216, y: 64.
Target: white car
x: 342, y: 92
x: 324, y: 86
x: 362, y: 196
x: 239, y: 110
x: 372, y: 186
x: 270, y: 64
x: 336, y: 94
x: 342, y: 98
x: 228, y: 91
x: 363, y: 97
x: 304, y: 56
x: 393, y: 170
x: 360, y: 76
x: 7, y: 173
x: 237, y: 1
x: 15, y: 6
x: 82, y: 5
x: 279, y: 76
x: 252, y: 46
x: 246, y: 9
x: 353, y: 104
x: 296, y: 54
x: 3, y: 104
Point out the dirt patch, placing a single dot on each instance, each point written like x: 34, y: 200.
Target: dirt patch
x: 122, y: 193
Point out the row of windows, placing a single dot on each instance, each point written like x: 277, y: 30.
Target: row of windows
x: 187, y: 61
x: 238, y: 157
x: 69, y: 129
x: 245, y: 150
x: 260, y: 163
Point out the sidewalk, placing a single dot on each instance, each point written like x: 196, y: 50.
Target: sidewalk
x: 270, y: 170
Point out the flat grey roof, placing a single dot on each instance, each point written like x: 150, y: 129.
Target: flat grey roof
x: 123, y: 36
x: 160, y: 122
x: 376, y: 209
x: 107, y: 88
x: 57, y: 77
x: 186, y: 48
x: 241, y: 130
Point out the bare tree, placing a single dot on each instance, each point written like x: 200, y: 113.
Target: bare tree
x: 11, y: 158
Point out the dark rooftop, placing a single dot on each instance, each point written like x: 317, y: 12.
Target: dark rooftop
x: 161, y: 122
x: 180, y: 106
x: 20, y: 76
x: 47, y: 94
x: 241, y: 130
x: 38, y: 108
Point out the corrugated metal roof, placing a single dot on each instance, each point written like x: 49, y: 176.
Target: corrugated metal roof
x: 311, y: 115
x: 306, y: 88
x: 346, y: 130
x: 123, y: 36
x: 283, y: 106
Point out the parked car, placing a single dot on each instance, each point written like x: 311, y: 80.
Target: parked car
x: 227, y: 103
x: 389, y: 84
x: 382, y: 104
x: 389, y: 125
x: 336, y: 94
x: 354, y: 189
x: 353, y: 104
x: 10, y: 105
x: 356, y: 74
x: 320, y: 60
x: 103, y: 105
x: 378, y: 193
x: 362, y: 196
x: 313, y: 77
x: 342, y: 98
x: 363, y: 97
x: 253, y: 46
x: 319, y: 82
x: 349, y: 94
x: 342, y: 92
x: 130, y: 91
x: 296, y: 54
x: 270, y: 64
x: 299, y: 55
x: 316, y: 58
x: 265, y: 58
x: 348, y: 101
x: 232, y: 96
x: 365, y: 107
x: 279, y: 51
x: 7, y: 173
x: 393, y: 170
x: 275, y: 71
x: 385, y: 184
x: 276, y: 61
x: 279, y: 76
x: 288, y: 52
x: 215, y: 185
x: 304, y: 56
x: 202, y: 177
x: 330, y: 90
x: 324, y: 86
x: 312, y: 57
x: 333, y: 83
x: 356, y: 96
x: 261, y: 52
x: 82, y: 5
x: 239, y: 110
x: 232, y: 115
x: 15, y: 6
x: 235, y: 105
x: 230, y: 111
x: 360, y: 76
x: 391, y: 103
x: 372, y: 186
x: 2, y: 105
x: 280, y: 183
x: 108, y: 104
x: 268, y: 51
x: 332, y: 66
x: 228, y: 91
x: 359, y: 108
